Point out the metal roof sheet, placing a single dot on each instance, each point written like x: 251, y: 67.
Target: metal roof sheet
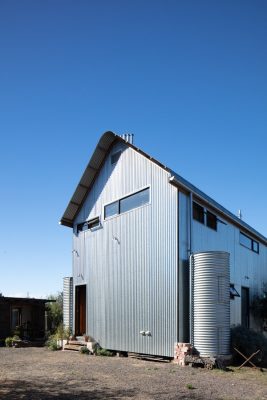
x: 91, y: 171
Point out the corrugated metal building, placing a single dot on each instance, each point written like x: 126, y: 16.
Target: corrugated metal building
x: 135, y: 223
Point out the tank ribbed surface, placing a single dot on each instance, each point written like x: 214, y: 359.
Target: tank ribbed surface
x: 211, y: 303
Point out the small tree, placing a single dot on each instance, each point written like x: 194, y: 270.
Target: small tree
x: 55, y: 311
x: 259, y: 305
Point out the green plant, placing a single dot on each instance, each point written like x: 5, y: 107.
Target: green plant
x: 55, y: 311
x: 9, y: 341
x: 62, y: 333
x: 84, y: 350
x: 52, y: 344
x: 248, y: 342
x: 104, y: 352
x: 189, y: 386
x: 259, y: 304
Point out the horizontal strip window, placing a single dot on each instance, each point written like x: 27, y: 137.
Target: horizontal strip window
x: 128, y: 203
x: 199, y: 214
x: 91, y: 224
x: 249, y: 243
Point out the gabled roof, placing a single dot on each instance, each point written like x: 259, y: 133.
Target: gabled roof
x: 102, y: 149
x: 106, y: 142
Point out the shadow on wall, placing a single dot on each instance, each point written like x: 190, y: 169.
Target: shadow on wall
x: 55, y: 390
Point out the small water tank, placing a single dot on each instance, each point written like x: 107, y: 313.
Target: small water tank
x: 210, y: 303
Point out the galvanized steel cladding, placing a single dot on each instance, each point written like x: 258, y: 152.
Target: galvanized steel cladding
x: 129, y: 264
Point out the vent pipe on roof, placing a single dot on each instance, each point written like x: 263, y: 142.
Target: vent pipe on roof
x: 240, y: 214
x: 128, y: 137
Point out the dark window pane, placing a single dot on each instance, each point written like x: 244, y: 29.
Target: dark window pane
x: 82, y: 227
x: 115, y: 157
x: 245, y: 241
x: 198, y: 213
x: 112, y: 209
x: 211, y: 220
x: 134, y: 201
x: 255, y: 246
x: 93, y: 223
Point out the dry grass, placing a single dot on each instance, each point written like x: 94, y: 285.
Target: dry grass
x: 33, y: 373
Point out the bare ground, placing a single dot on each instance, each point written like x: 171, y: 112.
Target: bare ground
x: 37, y: 373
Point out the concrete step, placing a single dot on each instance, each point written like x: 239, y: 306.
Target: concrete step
x: 77, y: 342
x: 73, y: 347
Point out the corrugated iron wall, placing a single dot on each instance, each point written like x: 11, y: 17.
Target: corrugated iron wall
x: 130, y: 263
x: 68, y: 302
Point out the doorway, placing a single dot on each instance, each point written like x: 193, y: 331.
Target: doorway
x: 245, y: 307
x: 80, y: 310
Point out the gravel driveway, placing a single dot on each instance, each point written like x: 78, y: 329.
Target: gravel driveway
x: 37, y: 373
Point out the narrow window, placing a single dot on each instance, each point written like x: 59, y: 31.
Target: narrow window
x: 115, y: 157
x: 15, y: 317
x: 211, y: 220
x: 248, y: 242
x: 245, y: 240
x: 198, y: 213
x: 93, y: 223
x: 134, y: 201
x: 128, y: 203
x: 255, y: 246
x: 111, y: 209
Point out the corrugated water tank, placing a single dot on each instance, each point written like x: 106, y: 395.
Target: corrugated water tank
x: 210, y: 307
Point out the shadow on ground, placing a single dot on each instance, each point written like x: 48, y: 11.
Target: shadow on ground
x: 18, y: 389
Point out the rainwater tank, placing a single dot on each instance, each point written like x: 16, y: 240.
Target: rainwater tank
x: 210, y: 303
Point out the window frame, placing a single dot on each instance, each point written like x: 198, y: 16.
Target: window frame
x: 252, y: 243
x: 197, y: 207
x: 125, y: 197
x: 216, y: 219
x: 90, y: 225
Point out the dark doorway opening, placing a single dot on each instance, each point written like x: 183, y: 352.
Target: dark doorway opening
x: 245, y: 307
x: 80, y: 310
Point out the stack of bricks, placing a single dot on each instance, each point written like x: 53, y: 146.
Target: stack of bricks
x: 180, y: 351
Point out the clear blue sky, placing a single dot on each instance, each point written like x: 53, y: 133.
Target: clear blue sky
x: 188, y: 78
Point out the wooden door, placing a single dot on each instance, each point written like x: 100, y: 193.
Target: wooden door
x: 80, y: 310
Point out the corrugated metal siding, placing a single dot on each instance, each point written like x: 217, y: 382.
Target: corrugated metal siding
x: 247, y: 268
x: 131, y: 280
x: 68, y: 302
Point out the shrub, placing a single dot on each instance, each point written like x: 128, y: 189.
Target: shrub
x: 9, y: 341
x: 62, y: 333
x: 248, y: 341
x: 104, y: 352
x: 51, y: 343
x: 84, y: 350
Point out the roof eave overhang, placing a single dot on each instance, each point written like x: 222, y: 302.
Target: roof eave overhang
x: 186, y: 186
x: 91, y: 171
x: 102, y: 150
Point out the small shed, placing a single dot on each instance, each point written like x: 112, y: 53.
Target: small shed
x: 23, y: 316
